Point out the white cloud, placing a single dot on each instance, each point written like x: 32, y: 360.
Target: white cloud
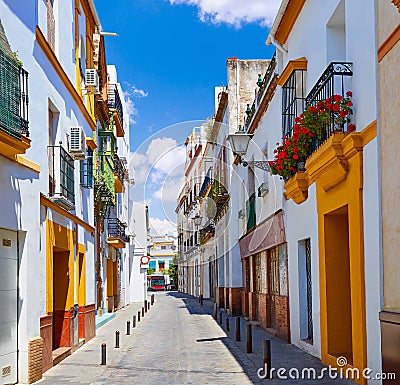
x: 169, y: 190
x: 162, y: 226
x: 235, y: 12
x: 139, y: 92
x: 130, y: 108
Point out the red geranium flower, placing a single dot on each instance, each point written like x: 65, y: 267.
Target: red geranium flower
x: 336, y: 107
x: 295, y: 156
x: 349, y: 94
x: 329, y: 106
x: 343, y: 113
x: 351, y: 127
x: 337, y: 98
x: 350, y: 104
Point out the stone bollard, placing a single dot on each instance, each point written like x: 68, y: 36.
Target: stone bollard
x: 227, y: 324
x: 103, y: 354
x: 266, y: 346
x: 249, y: 339
x: 237, y: 328
x: 117, y: 339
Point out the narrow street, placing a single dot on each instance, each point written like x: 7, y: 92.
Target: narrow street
x: 177, y: 342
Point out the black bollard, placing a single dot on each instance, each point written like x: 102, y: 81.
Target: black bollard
x: 138, y: 316
x: 266, y: 346
x: 227, y: 324
x: 128, y: 328
x: 103, y: 354
x: 142, y: 311
x: 201, y: 299
x: 145, y: 305
x: 220, y: 317
x: 152, y: 299
x: 148, y: 305
x: 215, y: 311
x: 237, y: 331
x: 117, y: 339
x: 249, y: 339
x: 133, y: 321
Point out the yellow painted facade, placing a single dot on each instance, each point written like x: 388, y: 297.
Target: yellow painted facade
x: 337, y: 170
x: 70, y: 277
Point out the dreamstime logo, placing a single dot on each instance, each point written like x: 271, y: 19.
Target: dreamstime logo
x: 328, y: 372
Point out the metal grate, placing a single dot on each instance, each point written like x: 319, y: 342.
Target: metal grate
x: 334, y: 80
x: 307, y: 244
x: 293, y: 99
x: 86, y: 171
x: 6, y: 371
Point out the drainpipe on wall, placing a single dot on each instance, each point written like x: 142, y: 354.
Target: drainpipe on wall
x: 271, y: 37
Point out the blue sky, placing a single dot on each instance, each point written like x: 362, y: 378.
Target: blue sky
x: 170, y: 54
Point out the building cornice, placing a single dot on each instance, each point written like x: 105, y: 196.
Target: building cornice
x: 293, y: 65
x: 289, y: 17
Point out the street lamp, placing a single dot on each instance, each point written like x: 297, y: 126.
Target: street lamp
x: 197, y: 220
x: 239, y: 142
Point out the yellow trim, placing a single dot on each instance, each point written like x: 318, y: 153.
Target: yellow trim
x: 389, y: 43
x: 44, y: 45
x: 77, y: 69
x: 10, y: 146
x: 296, y: 188
x: 289, y: 18
x: 90, y: 142
x: 60, y: 239
x: 118, y: 185
x: 25, y: 162
x: 293, y: 65
x: 118, y: 123
x: 44, y: 201
x: 117, y: 243
x: 81, y: 283
x: 369, y: 133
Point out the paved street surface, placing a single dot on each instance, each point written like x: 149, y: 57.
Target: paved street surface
x: 178, y: 342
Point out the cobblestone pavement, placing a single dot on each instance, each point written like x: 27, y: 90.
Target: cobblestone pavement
x: 177, y: 342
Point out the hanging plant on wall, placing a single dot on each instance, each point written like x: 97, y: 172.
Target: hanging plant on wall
x: 316, y: 122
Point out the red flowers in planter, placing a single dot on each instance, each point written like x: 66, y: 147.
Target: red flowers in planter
x: 313, y: 122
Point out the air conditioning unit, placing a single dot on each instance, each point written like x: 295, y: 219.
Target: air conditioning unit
x: 77, y: 143
x: 91, y: 81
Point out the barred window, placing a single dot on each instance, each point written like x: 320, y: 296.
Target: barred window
x: 293, y: 97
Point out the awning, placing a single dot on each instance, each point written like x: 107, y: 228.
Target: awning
x: 267, y: 234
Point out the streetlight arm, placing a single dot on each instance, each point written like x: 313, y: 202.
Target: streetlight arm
x: 262, y: 164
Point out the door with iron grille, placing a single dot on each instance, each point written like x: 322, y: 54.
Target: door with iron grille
x: 273, y: 284
x: 307, y: 244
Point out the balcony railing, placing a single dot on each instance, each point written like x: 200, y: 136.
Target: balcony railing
x: 104, y: 180
x: 86, y: 171
x: 114, y: 101
x: 116, y: 229
x: 334, y: 81
x: 13, y: 97
x: 262, y: 85
x: 207, y: 232
x: 208, y: 181
x: 251, y: 212
x: 119, y: 168
x: 61, y: 183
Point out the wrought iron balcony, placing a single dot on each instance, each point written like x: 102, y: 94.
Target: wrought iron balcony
x: 208, y: 181
x: 61, y: 179
x: 116, y: 233
x: 115, y: 104
x: 262, y: 85
x: 334, y: 81
x: 104, y: 181
x: 14, y: 97
x: 207, y: 232
x: 119, y: 172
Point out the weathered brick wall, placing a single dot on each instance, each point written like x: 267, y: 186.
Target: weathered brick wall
x: 282, y: 317
x: 245, y: 303
x: 35, y: 359
x: 262, y: 310
x: 220, y: 297
x: 235, y: 300
x: 252, y: 306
